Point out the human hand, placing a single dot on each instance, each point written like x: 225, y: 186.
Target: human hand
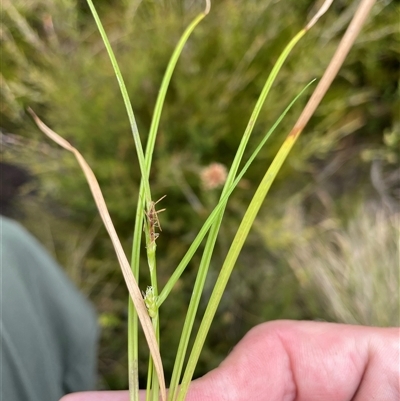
x: 301, y: 361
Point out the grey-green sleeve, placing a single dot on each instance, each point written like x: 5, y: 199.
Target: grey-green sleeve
x: 48, y: 330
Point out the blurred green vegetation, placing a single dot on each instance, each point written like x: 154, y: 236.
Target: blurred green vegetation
x: 53, y: 60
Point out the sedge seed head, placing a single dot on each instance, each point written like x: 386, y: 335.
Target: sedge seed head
x: 150, y: 301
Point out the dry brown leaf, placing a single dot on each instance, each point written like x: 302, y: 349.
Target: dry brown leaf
x: 130, y: 280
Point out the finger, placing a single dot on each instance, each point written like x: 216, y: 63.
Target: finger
x: 284, y: 361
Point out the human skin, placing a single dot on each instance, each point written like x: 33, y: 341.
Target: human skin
x: 298, y: 361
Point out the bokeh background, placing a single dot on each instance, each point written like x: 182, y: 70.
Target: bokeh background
x: 326, y: 242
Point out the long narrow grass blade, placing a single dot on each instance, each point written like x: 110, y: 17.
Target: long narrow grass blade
x: 211, y: 240
x: 123, y: 261
x: 165, y: 83
x: 132, y: 342
x: 214, y: 214
x: 264, y: 187
x: 133, y: 349
x: 125, y: 96
x: 212, y: 237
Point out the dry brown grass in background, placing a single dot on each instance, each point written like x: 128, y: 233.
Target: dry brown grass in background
x: 354, y: 268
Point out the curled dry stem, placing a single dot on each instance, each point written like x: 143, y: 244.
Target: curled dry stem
x: 324, y: 8
x: 208, y: 7
x: 123, y: 261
